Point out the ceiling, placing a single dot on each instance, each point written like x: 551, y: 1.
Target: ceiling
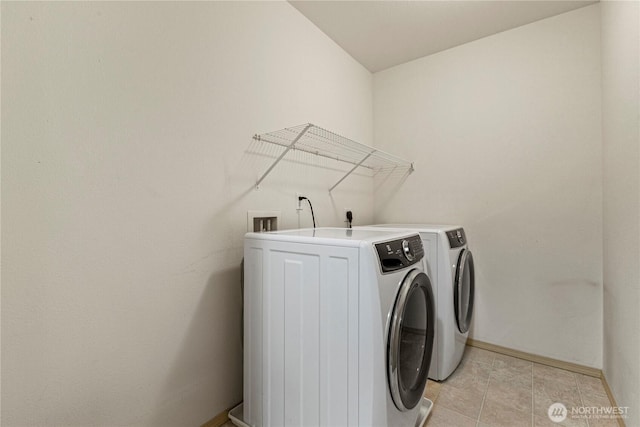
x: 382, y: 34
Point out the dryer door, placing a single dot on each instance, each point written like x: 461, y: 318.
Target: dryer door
x: 463, y: 290
x: 410, y: 340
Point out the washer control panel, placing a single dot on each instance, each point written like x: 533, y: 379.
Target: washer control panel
x: 457, y: 238
x: 401, y: 253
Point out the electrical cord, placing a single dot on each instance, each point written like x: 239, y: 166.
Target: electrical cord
x: 300, y: 198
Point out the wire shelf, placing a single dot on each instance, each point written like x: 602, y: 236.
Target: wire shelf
x: 313, y: 139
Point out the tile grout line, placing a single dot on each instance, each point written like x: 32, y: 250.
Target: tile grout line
x: 484, y: 396
x: 575, y: 378
x: 533, y: 402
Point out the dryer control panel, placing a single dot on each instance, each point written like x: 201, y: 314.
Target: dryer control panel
x: 457, y: 238
x: 397, y: 254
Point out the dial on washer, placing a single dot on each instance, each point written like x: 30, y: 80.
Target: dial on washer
x: 406, y: 249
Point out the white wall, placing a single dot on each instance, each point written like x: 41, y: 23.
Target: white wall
x: 505, y: 133
x: 127, y: 170
x: 621, y: 141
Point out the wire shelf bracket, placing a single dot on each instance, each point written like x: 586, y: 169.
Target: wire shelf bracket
x: 284, y: 153
x: 315, y: 140
x: 352, y: 169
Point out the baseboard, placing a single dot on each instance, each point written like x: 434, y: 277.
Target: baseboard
x: 219, y: 419
x: 611, y: 398
x: 573, y: 367
x: 223, y: 417
x: 543, y: 360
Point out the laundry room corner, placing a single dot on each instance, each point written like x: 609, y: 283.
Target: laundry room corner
x: 621, y: 216
x: 295, y: 213
x: 506, y: 130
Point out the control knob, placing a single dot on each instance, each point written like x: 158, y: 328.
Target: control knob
x: 406, y: 249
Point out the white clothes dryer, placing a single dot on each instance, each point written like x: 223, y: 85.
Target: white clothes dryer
x: 449, y: 263
x: 338, y: 329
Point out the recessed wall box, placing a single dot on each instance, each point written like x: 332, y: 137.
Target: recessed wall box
x: 261, y: 221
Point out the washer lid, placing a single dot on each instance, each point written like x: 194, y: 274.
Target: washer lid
x: 332, y: 236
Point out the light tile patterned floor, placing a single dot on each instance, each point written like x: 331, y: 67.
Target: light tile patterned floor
x: 493, y: 390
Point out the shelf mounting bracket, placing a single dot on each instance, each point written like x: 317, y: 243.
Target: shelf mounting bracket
x: 284, y: 153
x: 352, y: 169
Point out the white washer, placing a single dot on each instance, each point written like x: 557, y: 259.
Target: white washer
x: 449, y: 263
x: 339, y: 329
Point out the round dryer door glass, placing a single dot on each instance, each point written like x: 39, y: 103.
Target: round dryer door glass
x: 411, y: 340
x: 463, y: 290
